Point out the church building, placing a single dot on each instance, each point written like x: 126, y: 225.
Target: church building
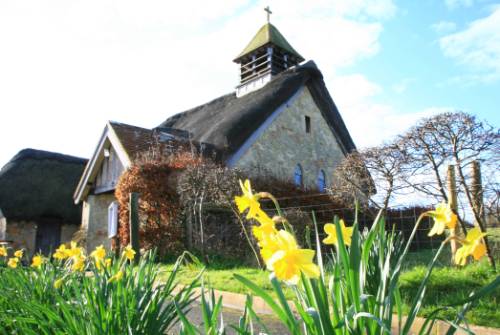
x: 279, y: 121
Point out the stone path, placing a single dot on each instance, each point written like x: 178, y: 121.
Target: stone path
x: 231, y: 317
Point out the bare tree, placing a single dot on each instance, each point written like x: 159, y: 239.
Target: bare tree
x: 209, y: 183
x: 377, y: 170
x: 454, y: 138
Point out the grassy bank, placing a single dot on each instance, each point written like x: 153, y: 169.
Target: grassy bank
x: 447, y: 284
x: 451, y: 284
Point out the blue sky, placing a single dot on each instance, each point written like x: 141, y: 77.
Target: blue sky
x: 415, y: 71
x: 68, y: 66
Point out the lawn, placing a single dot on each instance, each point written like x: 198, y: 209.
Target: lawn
x: 447, y: 284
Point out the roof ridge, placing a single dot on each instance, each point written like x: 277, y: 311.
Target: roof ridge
x: 30, y: 153
x: 116, y: 123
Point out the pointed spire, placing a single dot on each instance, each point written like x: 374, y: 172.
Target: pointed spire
x: 269, y: 34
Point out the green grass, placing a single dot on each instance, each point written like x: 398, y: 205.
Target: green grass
x: 450, y: 284
x: 222, y: 279
x: 447, y: 285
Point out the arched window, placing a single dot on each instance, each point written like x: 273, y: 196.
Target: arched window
x: 298, y: 176
x: 321, y: 181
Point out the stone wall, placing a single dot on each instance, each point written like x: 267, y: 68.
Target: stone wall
x: 285, y: 143
x: 67, y: 232
x: 3, y: 226
x: 22, y: 234
x: 95, y: 220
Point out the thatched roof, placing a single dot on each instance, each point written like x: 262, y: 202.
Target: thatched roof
x: 36, y: 184
x: 228, y: 121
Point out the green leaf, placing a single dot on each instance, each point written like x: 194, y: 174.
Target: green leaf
x: 279, y: 311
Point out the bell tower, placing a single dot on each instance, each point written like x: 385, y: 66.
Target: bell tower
x: 267, y: 54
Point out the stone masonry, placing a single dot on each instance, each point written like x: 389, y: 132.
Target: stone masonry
x: 285, y: 143
x: 67, y: 232
x: 23, y: 235
x: 95, y: 220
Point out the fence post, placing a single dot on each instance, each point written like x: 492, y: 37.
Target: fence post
x: 477, y: 203
x: 134, y: 224
x: 477, y: 191
x: 189, y: 229
x: 452, y: 199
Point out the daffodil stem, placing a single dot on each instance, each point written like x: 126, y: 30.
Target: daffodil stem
x: 243, y: 228
x: 421, y: 290
x: 273, y: 199
x: 410, y: 239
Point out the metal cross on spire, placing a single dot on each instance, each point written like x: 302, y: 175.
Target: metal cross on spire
x: 268, y: 10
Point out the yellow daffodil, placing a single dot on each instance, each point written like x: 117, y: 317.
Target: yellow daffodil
x: 3, y: 251
x: 472, y: 246
x: 98, y: 264
x: 289, y: 261
x: 61, y: 253
x: 58, y: 283
x: 129, y: 253
x: 107, y: 263
x: 13, y: 262
x: 117, y: 277
x: 443, y: 217
x: 78, y: 263
x: 267, y: 226
x: 332, y: 233
x: 268, y: 246
x: 248, y: 200
x: 99, y: 253
x: 37, y: 261
x: 75, y: 251
x: 18, y: 253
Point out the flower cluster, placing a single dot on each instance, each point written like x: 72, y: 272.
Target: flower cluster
x: 17, y: 258
x: 278, y: 248
x: 13, y: 261
x: 77, y: 261
x: 73, y: 259
x: 472, y: 244
x: 74, y: 256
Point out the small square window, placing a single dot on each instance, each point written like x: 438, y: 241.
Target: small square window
x: 308, y: 124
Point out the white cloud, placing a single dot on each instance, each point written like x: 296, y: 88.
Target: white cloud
x: 67, y: 66
x: 477, y: 48
x: 444, y: 27
x: 402, y: 85
x: 454, y: 4
x: 370, y: 122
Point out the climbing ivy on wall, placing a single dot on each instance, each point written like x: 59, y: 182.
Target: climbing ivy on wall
x: 154, y: 178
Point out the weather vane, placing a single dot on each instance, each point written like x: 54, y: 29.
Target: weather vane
x: 268, y: 11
